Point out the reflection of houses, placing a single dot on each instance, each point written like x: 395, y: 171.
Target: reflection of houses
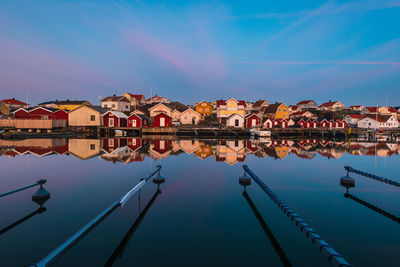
x: 160, y: 149
x: 84, y: 148
x: 189, y: 146
x: 37, y: 147
x: 231, y: 151
x: 277, y: 152
x: 204, y: 151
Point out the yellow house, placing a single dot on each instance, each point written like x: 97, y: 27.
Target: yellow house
x: 276, y: 111
x: 230, y: 107
x: 65, y: 104
x: 4, y: 108
x: 204, y: 108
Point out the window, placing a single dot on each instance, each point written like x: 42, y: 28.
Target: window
x: 284, y: 110
x: 92, y: 117
x: 130, y: 121
x: 200, y: 109
x: 92, y: 146
x: 126, y: 106
x: 113, y: 105
x: 236, y: 122
x: 279, y: 110
x: 236, y: 143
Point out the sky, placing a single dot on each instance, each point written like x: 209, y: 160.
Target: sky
x: 190, y: 51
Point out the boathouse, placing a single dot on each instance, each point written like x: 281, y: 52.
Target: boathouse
x: 114, y: 119
x: 252, y: 120
x: 162, y: 120
x: 138, y: 121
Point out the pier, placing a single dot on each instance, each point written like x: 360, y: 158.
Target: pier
x: 372, y: 176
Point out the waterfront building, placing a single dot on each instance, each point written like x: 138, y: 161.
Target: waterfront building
x: 160, y: 108
x: 116, y: 103
x: 228, y: 108
x: 65, y: 104
x: 235, y: 120
x: 279, y: 123
x: 359, y: 108
x: 307, y: 104
x: 352, y: 119
x: 162, y: 120
x: 138, y: 120
x: 252, y: 121
x: 86, y: 116
x: 275, y: 111
x: 189, y: 116
x: 331, y: 106
x: 204, y: 108
x: 378, y: 122
x: 175, y: 114
x: 114, y: 119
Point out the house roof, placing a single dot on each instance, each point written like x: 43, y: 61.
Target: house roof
x: 96, y: 108
x: 300, y: 113
x: 305, y: 102
x: 371, y: 109
x: 13, y: 101
x: 356, y: 106
x: 115, y: 98
x: 354, y: 116
x: 223, y: 102
x: 329, y: 104
x: 160, y: 104
x: 190, y: 109
x: 235, y: 114
x: 138, y: 97
x: 258, y: 103
x: 65, y: 102
x: 272, y: 108
x: 117, y: 113
x: 251, y: 115
x: 156, y: 97
x: 379, y: 118
x: 220, y: 102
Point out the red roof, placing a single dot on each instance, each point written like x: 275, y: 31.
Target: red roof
x: 138, y: 97
x: 115, y: 98
x: 258, y: 103
x: 13, y: 101
x: 355, y: 116
x: 328, y: 104
x: 357, y: 106
x: 242, y: 103
x: 304, y: 102
x: 371, y: 109
x: 392, y: 110
x: 220, y: 102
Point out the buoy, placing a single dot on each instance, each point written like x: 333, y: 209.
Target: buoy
x: 347, y: 181
x: 41, y: 196
x: 244, y: 180
x: 159, y: 179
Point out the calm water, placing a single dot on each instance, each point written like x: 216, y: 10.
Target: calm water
x: 201, y: 217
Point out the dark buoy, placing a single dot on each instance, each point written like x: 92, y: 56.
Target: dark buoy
x: 347, y: 181
x: 41, y: 195
x: 159, y: 179
x: 244, y: 180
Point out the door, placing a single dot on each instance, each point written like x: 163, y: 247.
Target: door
x: 253, y: 123
x: 133, y: 123
x: 111, y: 122
x: 162, y: 122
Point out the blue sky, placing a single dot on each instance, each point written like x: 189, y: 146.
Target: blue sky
x: 191, y: 50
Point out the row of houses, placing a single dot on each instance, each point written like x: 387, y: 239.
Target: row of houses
x: 128, y: 150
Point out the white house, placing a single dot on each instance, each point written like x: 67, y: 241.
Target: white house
x: 116, y: 103
x: 378, y: 122
x: 352, y: 119
x: 235, y: 120
x: 190, y: 116
x: 306, y: 104
x: 331, y: 106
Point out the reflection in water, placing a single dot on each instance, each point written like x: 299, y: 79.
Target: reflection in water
x: 39, y: 197
x: 124, y: 242
x: 133, y: 149
x: 282, y: 256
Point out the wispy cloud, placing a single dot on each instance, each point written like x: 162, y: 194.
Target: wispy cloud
x: 326, y: 62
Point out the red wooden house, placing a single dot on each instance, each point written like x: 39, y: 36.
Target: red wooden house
x: 134, y: 143
x: 114, y: 119
x: 270, y: 123
x: 252, y: 120
x: 324, y: 123
x: 340, y: 124
x: 21, y: 113
x: 138, y: 121
x: 162, y: 120
x: 60, y: 114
